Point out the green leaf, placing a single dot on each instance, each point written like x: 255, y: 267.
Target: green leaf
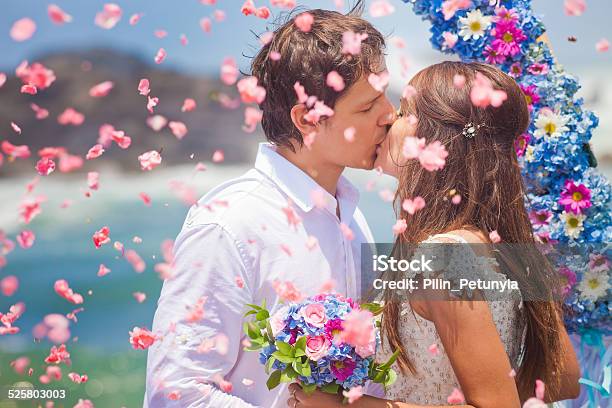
x: 373, y: 307
x: 250, y: 312
x: 390, y: 378
x: 269, y: 330
x: 284, y: 348
x: 252, y: 330
x: 306, y: 369
x: 300, y: 345
x: 391, y: 360
x: 262, y: 315
x: 283, y: 358
x: 269, y: 364
x: 274, y: 380
x: 252, y: 306
x: 253, y: 347
x: 309, y: 388
x: 331, y: 388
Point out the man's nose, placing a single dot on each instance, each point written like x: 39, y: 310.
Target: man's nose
x: 388, y: 116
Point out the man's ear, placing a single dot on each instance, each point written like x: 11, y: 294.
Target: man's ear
x: 304, y: 126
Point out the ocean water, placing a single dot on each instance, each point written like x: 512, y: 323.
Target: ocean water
x: 63, y: 248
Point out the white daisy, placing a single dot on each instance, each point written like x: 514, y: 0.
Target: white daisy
x: 474, y: 25
x: 594, y: 285
x: 573, y: 223
x: 550, y: 124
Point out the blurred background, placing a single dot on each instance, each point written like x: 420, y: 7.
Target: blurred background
x: 82, y: 54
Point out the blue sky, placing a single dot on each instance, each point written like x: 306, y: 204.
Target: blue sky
x: 233, y: 37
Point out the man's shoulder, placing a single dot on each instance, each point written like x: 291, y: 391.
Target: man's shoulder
x: 235, y: 202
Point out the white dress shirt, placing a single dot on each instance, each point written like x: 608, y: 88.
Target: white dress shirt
x: 241, y: 232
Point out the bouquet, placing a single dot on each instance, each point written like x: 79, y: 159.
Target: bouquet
x: 325, y: 342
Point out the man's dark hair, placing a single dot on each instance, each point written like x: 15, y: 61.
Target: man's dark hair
x: 307, y: 58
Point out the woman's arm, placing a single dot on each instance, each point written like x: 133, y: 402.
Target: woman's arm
x: 318, y: 399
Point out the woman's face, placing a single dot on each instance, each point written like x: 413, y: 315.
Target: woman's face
x: 389, y: 154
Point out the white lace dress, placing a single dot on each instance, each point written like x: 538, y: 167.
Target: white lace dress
x: 435, y: 378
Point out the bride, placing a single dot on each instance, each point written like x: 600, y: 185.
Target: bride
x: 488, y: 353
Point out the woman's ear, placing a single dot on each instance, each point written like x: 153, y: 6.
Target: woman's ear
x: 298, y: 113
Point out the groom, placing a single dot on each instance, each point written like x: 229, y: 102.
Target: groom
x: 288, y: 228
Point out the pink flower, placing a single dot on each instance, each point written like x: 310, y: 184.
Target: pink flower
x: 141, y: 338
x: 568, y: 280
x: 206, y: 24
x: 151, y: 103
x: 26, y: 239
x: 450, y: 7
x: 412, y: 147
x: 58, y: 355
x: 540, y: 217
x: 57, y: 15
x: 36, y: 75
x: 94, y: 152
x: 262, y: 12
x: 602, y: 45
x: 433, y: 157
x: 493, y: 55
x: 103, y: 270
x: 23, y: 29
x: 189, y: 105
x: 314, y: 314
x: 494, y: 237
x: 160, y: 56
x: 531, y: 95
x: 143, y: 87
x: 508, y: 39
x: 78, y: 379
x: 515, y: 70
x: 521, y: 143
x: 353, y: 394
x: 335, y: 81
x: 456, y: 397
x: 399, y: 227
x: 412, y: 206
x: 102, y: 89
x: 320, y: 109
x: 135, y: 260
x: 598, y: 262
x: 9, y: 285
x: 93, y: 180
x: 122, y: 140
x: 277, y: 320
x: 300, y: 92
x: 503, y: 15
x: 218, y: 156
x: 574, y: 7
x: 179, y: 129
x: 101, y: 237
x: 248, y: 8
x: 343, y: 369
x: 379, y: 82
x: 538, y: 68
x: 252, y: 117
x: 358, y: 328
x: 61, y: 288
x: 250, y: 91
x: 70, y: 117
x: 351, y: 42
x: 287, y: 291
x: 316, y: 347
x: 381, y: 8
x: 483, y: 94
x: 450, y: 39
x: 229, y: 71
x: 304, y: 22
x: 575, y: 197
x: 45, y: 166
x: 109, y: 16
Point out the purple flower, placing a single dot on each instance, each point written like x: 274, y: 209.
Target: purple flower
x: 505, y: 15
x: 540, y: 217
x: 521, y: 143
x: 568, y: 280
x: 508, y: 39
x: 538, y: 69
x: 531, y: 96
x: 492, y: 56
x: 343, y: 369
x: 333, y: 328
x: 575, y: 197
x: 516, y: 70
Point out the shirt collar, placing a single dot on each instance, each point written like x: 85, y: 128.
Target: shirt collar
x: 299, y: 186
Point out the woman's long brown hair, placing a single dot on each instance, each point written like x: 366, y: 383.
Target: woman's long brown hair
x: 484, y: 170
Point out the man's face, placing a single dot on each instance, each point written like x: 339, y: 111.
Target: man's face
x: 366, y: 110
